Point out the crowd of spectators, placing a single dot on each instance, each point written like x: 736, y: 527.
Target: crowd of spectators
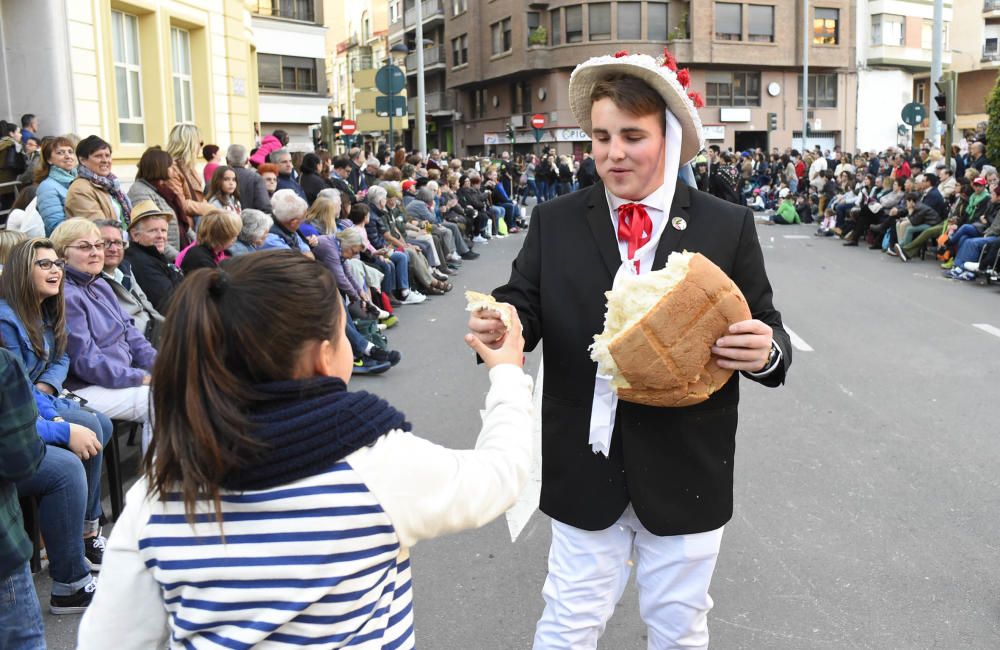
x: 91, y: 263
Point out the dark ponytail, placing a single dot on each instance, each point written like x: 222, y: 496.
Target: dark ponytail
x: 226, y: 330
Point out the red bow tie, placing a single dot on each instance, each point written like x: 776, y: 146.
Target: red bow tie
x: 634, y: 227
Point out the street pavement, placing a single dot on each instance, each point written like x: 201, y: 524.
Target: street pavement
x: 866, y: 488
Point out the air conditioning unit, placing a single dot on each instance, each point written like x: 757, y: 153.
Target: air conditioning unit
x: 517, y: 121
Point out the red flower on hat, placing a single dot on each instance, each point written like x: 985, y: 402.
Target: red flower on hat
x: 620, y: 53
x: 684, y: 77
x: 696, y: 98
x: 669, y: 60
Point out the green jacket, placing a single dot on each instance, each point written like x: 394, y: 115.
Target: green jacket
x: 788, y: 213
x: 971, y: 211
x: 21, y: 452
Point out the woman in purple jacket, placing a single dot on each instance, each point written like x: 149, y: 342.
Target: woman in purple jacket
x: 109, y: 359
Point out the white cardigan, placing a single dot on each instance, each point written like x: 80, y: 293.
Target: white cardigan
x: 320, y: 562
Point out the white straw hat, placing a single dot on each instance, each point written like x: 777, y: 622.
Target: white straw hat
x: 661, y: 74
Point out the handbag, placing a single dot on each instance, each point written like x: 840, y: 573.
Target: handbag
x: 370, y: 331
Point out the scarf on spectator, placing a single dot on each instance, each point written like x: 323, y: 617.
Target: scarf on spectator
x: 308, y: 426
x: 110, y: 185
x: 176, y: 204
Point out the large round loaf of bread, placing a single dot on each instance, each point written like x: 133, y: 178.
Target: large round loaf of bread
x: 664, y: 357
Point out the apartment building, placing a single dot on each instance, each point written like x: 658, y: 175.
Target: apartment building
x: 290, y: 61
x: 129, y: 71
x: 509, y: 60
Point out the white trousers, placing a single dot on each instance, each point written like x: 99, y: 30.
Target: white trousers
x: 588, y: 571
x: 130, y: 404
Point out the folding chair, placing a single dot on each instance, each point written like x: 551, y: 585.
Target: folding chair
x: 29, y: 511
x: 112, y: 463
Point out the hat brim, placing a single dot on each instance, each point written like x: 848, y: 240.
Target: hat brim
x: 586, y: 75
x: 136, y: 218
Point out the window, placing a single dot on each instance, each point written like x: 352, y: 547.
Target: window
x: 366, y: 32
x: 600, y: 21
x: 927, y: 36
x: 459, y: 6
x: 990, y: 47
x: 479, y: 103
x: 128, y: 90
x: 921, y: 92
x: 180, y: 51
x: 728, y: 21
x: 629, y: 21
x: 501, y: 36
x: 887, y: 29
x: 574, y: 24
x: 294, y: 9
x: 822, y: 90
x: 732, y: 89
x: 520, y: 97
x: 555, y: 27
x: 395, y: 11
x: 826, y: 23
x: 286, y: 73
x: 656, y: 21
x: 761, y: 24
x: 533, y: 22
x: 459, y: 50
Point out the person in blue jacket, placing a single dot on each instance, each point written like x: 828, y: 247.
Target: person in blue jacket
x: 56, y: 170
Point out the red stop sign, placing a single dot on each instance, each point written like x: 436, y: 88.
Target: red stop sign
x: 537, y: 120
x: 348, y: 127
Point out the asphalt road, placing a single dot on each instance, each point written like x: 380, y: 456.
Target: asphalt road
x: 866, y: 488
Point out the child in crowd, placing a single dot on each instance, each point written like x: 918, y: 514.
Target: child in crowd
x: 277, y: 507
x: 223, y: 192
x: 828, y: 223
x: 786, y: 213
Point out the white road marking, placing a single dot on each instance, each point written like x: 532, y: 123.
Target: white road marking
x: 527, y: 503
x: 797, y: 342
x: 797, y: 236
x: 989, y: 329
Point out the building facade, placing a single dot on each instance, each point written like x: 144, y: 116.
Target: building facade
x: 129, y: 71
x: 290, y: 61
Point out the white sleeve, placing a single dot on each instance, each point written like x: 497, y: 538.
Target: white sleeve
x: 428, y: 490
x: 127, y: 605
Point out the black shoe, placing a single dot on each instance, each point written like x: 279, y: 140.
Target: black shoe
x: 850, y: 242
x: 392, y: 356
x: 369, y: 366
x: 93, y: 549
x: 469, y: 255
x: 74, y: 603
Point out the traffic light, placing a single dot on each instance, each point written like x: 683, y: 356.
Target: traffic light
x: 945, y: 99
x: 772, y: 121
x: 510, y: 131
x: 335, y: 126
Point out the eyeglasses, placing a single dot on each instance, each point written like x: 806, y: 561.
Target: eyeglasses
x: 87, y: 246
x: 46, y: 265
x: 115, y: 243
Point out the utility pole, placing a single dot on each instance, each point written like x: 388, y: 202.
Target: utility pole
x: 805, y: 75
x: 421, y: 117
x: 936, y: 45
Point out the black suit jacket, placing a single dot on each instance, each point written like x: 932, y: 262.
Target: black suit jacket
x: 675, y: 465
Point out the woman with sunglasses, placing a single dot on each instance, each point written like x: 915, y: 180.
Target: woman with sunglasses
x: 109, y: 359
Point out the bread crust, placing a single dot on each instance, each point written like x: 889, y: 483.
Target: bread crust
x: 666, y: 356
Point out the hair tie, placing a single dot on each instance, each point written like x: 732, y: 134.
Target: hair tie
x: 218, y: 288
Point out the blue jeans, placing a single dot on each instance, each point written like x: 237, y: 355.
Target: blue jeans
x: 101, y: 425
x: 401, y: 262
x: 508, y: 216
x: 61, y: 487
x: 20, y: 615
x: 358, y: 343
x: 533, y: 187
x: 963, y: 233
x: 543, y: 190
x: 970, y: 250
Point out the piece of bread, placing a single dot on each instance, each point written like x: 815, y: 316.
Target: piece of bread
x: 477, y: 301
x: 659, y: 329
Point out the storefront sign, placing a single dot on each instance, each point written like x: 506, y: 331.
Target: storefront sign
x: 714, y: 131
x: 734, y: 114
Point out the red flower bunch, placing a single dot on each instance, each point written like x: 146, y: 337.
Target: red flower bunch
x: 620, y: 53
x: 669, y: 60
x: 696, y: 98
x: 684, y: 77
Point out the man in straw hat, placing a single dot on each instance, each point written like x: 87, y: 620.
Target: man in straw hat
x: 620, y: 478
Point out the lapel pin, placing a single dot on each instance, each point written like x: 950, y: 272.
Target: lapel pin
x: 679, y: 223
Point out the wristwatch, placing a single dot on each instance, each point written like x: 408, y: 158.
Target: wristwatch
x: 772, y: 356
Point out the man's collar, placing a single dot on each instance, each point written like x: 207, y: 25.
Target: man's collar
x: 654, y: 200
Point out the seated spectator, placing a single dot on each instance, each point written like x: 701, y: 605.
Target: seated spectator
x: 224, y: 191
x: 12, y: 162
x: 472, y: 199
x: 393, y: 233
x: 254, y: 193
x: 310, y: 178
x: 96, y: 192
x: 967, y: 258
x: 500, y: 198
x: 157, y: 276
x: 412, y: 490
x: 109, y: 359
x: 29, y: 127
x: 757, y: 204
x: 416, y: 235
x: 919, y: 217
x: 31, y: 148
x: 156, y: 181
x: 217, y: 231
x: 269, y: 173
x: 183, y: 145
x: 23, y: 216
x: 255, y: 227
x: 927, y: 185
x: 34, y: 330
x: 56, y: 172
x: 339, y: 178
x: 786, y: 214
x: 8, y: 240
x: 22, y: 455
x: 363, y: 276
x: 421, y: 209
x: 947, y: 183
x: 213, y: 158
x: 118, y: 275
x: 286, y: 181
x: 288, y: 211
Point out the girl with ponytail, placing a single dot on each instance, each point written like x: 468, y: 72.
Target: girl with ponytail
x: 276, y: 506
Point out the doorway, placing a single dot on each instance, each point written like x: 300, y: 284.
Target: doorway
x: 751, y: 140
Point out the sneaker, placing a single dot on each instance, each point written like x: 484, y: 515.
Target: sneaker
x: 392, y: 321
x: 948, y: 265
x: 382, y: 314
x: 455, y: 257
x: 93, y: 549
x: 392, y: 357
x: 469, y: 255
x: 971, y: 266
x: 413, y: 298
x: 369, y: 366
x: 968, y: 276
x: 952, y: 273
x: 479, y: 239
x: 899, y: 252
x: 75, y: 603
x: 891, y: 251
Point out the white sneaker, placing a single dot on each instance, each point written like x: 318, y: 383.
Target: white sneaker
x: 971, y: 266
x: 383, y: 314
x: 479, y: 239
x: 455, y: 257
x: 413, y: 298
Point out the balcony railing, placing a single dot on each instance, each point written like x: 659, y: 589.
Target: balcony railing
x: 435, y: 102
x: 991, y: 54
x: 432, y: 56
x: 429, y: 8
x: 300, y: 10
x: 991, y: 5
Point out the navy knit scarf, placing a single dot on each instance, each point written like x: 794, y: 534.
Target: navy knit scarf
x: 308, y: 426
